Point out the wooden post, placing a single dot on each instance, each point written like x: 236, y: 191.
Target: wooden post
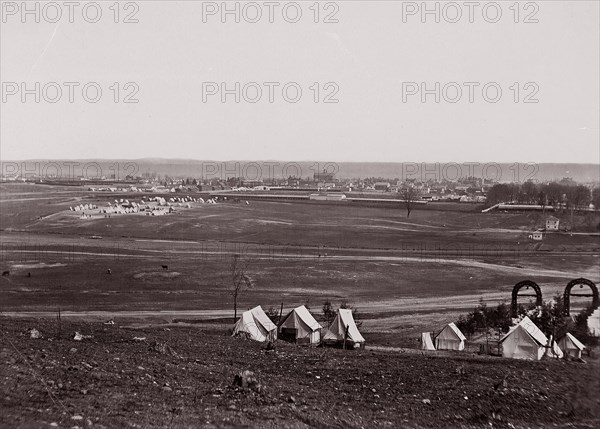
x: 572, y: 209
x: 280, y: 314
x: 58, y: 319
x: 346, y: 335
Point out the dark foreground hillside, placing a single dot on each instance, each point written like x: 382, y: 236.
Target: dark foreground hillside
x: 183, y: 377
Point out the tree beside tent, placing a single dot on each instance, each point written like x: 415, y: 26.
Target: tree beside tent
x: 238, y: 280
x: 552, y: 349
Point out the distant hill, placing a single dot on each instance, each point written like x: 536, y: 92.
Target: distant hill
x: 262, y: 170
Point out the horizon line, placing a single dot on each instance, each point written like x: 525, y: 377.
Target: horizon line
x: 289, y: 161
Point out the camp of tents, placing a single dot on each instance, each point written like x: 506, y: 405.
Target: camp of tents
x: 526, y: 341
x: 523, y: 341
x: 299, y: 326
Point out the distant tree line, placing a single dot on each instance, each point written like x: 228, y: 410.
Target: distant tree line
x: 565, y: 193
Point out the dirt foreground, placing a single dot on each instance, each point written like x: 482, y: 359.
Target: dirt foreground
x: 180, y: 377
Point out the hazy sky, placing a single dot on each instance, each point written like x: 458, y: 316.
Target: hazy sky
x: 368, y: 56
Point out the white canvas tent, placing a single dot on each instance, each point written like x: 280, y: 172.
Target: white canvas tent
x: 524, y: 341
x: 450, y: 338
x: 300, y: 326
x: 571, y: 346
x: 426, y: 343
x: 256, y: 325
x: 343, y: 328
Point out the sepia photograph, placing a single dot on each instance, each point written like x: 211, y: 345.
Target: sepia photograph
x: 300, y: 214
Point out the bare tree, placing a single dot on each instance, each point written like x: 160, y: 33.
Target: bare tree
x: 408, y: 194
x: 328, y: 312
x: 239, y: 281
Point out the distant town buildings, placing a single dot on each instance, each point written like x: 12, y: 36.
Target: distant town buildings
x: 323, y: 177
x: 382, y: 186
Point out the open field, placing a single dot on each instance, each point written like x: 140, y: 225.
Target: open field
x: 437, y: 263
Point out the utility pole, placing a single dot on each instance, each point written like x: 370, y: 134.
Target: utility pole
x: 280, y: 314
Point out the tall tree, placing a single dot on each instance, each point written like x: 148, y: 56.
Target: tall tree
x: 238, y: 280
x: 408, y: 194
x: 328, y: 312
x: 530, y: 192
x: 596, y: 198
x: 580, y: 196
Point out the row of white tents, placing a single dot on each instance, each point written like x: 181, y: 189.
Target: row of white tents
x: 124, y: 206
x: 299, y: 326
x: 162, y: 207
x: 183, y: 200
x: 523, y: 341
x: 83, y: 207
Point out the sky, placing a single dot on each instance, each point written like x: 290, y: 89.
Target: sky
x: 367, y: 82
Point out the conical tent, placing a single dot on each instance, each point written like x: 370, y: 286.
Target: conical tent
x: 450, y: 338
x: 426, y: 343
x: 300, y: 326
x: 343, y: 328
x: 524, y: 341
x: 256, y: 325
x: 571, y: 346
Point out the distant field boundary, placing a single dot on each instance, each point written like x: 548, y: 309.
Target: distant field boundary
x: 351, y: 201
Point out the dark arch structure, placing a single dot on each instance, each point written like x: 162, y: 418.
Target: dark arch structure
x: 581, y: 281
x: 515, y: 294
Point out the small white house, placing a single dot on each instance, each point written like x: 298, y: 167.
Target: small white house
x: 536, y: 235
x: 552, y: 223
